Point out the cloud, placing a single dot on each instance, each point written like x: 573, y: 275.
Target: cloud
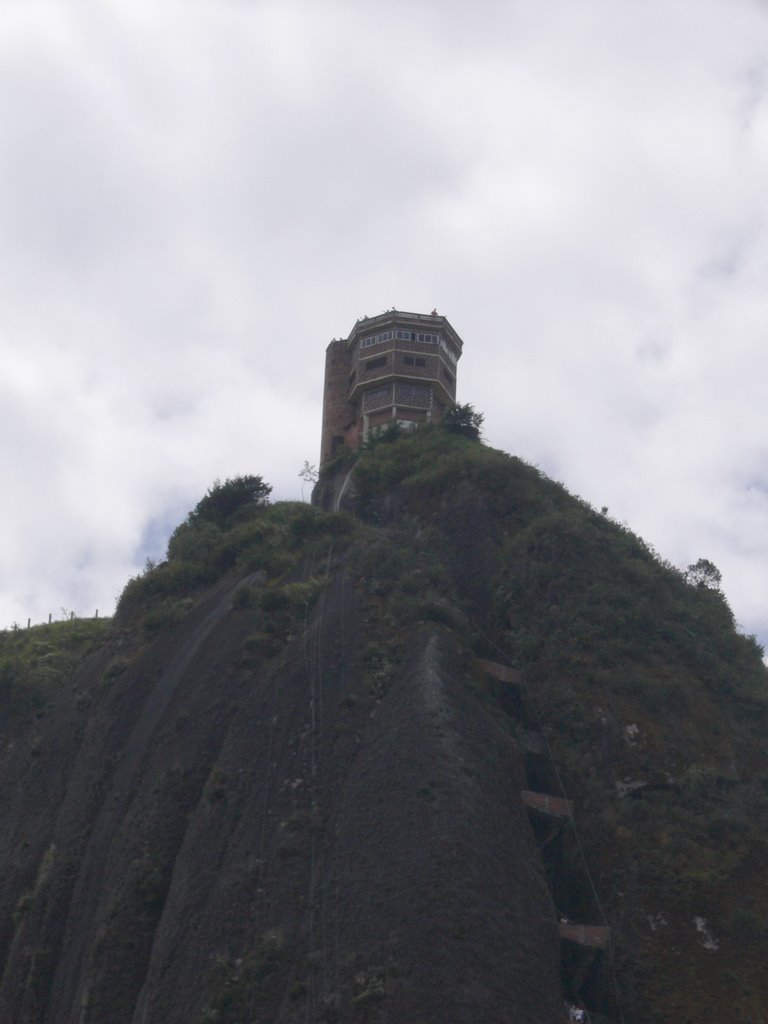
x: 194, y: 198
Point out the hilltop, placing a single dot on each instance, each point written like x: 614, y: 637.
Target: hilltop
x: 295, y: 778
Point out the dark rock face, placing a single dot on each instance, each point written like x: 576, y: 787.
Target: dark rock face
x: 300, y: 802
x: 217, y: 837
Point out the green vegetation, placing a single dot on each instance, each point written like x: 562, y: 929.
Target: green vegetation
x: 464, y: 420
x: 238, y: 985
x: 280, y: 610
x: 232, y: 529
x: 254, y: 538
x: 633, y: 667
x: 223, y: 501
x: 704, y: 574
x: 573, y: 591
x: 420, y: 463
x: 35, y: 661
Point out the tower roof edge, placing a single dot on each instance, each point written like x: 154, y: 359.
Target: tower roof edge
x: 396, y: 316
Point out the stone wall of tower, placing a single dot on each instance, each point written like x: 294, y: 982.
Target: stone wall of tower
x: 338, y: 415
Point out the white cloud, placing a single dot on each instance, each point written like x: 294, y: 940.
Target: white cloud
x: 194, y: 197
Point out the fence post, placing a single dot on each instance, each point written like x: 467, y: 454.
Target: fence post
x: 49, y: 618
x: 29, y: 623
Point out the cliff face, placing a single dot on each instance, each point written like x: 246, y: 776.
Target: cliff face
x: 285, y: 785
x: 225, y: 837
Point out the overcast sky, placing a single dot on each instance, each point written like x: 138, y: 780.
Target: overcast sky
x: 195, y: 197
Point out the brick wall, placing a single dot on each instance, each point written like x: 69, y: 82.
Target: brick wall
x: 338, y: 416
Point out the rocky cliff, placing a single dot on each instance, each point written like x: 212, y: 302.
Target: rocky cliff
x: 300, y: 777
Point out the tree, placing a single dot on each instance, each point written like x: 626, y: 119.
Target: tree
x: 704, y: 574
x: 223, y: 500
x: 464, y: 420
x: 308, y: 475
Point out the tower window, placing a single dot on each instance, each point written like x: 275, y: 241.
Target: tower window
x: 413, y: 394
x: 375, y: 339
x: 377, y: 398
x: 374, y: 364
x: 448, y: 351
x: 378, y: 394
x: 425, y: 339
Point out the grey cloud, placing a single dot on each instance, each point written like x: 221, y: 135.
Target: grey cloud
x: 196, y: 198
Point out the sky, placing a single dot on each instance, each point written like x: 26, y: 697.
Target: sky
x: 196, y: 197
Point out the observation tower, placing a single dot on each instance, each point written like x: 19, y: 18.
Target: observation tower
x: 395, y: 367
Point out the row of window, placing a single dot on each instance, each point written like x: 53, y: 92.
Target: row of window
x: 379, y: 361
x: 403, y: 391
x: 376, y: 393
x: 403, y: 335
x: 448, y: 351
x: 425, y: 339
x: 376, y: 338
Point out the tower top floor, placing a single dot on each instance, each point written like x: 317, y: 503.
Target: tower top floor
x: 420, y: 326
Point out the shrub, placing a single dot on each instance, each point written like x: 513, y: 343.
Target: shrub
x: 223, y: 500
x: 35, y: 661
x: 464, y: 420
x: 162, y: 617
x: 169, y: 579
x: 198, y: 542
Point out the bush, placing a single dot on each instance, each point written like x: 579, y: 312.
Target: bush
x: 224, y: 500
x: 164, y: 616
x: 464, y: 420
x: 34, y: 662
x: 169, y: 579
x: 195, y: 542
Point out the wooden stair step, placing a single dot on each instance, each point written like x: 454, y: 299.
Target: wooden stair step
x: 504, y: 673
x: 593, y: 935
x: 547, y: 804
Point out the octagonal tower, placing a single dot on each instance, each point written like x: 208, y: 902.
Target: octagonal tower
x: 395, y: 367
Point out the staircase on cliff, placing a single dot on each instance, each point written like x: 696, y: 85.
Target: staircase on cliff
x: 584, y: 947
